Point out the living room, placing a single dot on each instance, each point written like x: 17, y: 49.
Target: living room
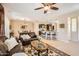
x: 58, y: 28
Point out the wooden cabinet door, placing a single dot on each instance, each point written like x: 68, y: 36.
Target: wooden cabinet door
x: 2, y: 32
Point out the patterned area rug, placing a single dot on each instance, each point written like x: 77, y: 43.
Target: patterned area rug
x: 52, y: 51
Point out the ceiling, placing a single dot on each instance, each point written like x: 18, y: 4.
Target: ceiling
x: 26, y: 10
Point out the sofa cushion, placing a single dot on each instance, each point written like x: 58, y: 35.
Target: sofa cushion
x: 16, y: 49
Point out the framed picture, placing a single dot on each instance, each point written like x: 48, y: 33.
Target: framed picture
x: 23, y: 26
x: 62, y: 25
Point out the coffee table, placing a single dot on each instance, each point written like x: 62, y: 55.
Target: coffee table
x: 39, y: 46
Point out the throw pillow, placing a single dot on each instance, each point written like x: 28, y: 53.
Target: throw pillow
x: 11, y: 43
x: 25, y: 37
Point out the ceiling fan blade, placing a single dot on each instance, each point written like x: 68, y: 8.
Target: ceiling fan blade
x: 45, y: 11
x: 44, y: 4
x: 54, y: 8
x: 38, y: 8
x: 53, y: 3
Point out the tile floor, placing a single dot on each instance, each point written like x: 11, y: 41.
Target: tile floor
x: 71, y: 48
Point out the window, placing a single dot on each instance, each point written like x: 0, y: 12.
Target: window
x: 69, y: 24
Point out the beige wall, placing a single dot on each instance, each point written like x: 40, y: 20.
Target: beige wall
x: 16, y: 26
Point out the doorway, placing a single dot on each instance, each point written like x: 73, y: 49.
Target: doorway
x: 73, y: 28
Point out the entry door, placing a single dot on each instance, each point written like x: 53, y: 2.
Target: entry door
x: 74, y: 29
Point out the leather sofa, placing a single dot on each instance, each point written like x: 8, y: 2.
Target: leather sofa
x: 4, y: 49
x: 28, y: 41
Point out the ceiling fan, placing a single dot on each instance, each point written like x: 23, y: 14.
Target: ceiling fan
x: 47, y: 6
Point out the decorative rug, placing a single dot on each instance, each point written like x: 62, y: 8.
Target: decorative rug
x: 52, y: 51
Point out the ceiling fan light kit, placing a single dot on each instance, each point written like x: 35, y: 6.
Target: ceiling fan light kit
x: 47, y: 8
